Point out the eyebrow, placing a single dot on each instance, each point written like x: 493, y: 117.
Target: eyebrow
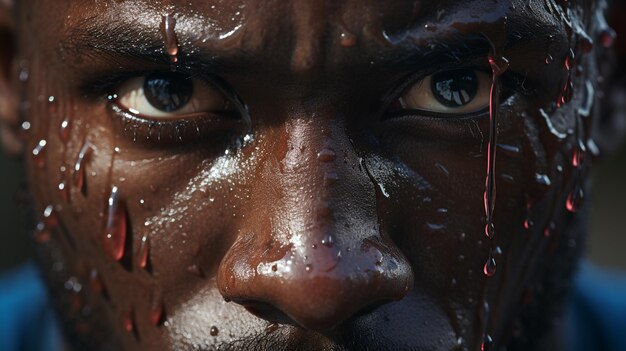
x: 129, y: 39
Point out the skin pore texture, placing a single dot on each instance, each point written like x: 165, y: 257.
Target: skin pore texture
x: 307, y: 202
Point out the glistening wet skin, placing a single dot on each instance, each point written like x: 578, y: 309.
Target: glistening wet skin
x: 400, y: 175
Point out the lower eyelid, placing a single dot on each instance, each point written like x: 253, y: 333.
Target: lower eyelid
x: 164, y: 132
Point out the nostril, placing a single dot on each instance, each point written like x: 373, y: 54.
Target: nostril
x: 267, y: 311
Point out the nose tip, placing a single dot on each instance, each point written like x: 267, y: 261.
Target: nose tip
x: 320, y: 292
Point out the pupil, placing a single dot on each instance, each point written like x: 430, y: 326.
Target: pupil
x: 455, y: 88
x: 167, y: 92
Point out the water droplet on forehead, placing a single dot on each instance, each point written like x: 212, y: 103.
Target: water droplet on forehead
x: 168, y: 27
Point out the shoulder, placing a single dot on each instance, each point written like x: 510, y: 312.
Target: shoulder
x: 596, y: 314
x: 27, y: 321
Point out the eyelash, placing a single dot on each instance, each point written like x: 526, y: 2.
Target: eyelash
x: 163, y: 133
x: 511, y: 82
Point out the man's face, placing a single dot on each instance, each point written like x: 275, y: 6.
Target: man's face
x: 303, y: 175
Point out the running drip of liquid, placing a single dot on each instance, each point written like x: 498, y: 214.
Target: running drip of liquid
x: 168, y: 25
x: 79, y: 167
x: 116, y: 226
x: 499, y: 65
x: 144, y: 252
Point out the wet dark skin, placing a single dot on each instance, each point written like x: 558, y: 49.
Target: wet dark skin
x: 306, y: 207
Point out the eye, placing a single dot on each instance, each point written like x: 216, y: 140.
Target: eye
x: 454, y: 92
x: 170, y: 96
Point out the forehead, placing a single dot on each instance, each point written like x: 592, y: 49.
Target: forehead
x: 300, y: 34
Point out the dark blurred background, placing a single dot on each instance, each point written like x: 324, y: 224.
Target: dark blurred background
x: 606, y: 242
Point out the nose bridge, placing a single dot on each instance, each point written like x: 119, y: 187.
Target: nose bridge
x: 323, y: 187
x: 319, y: 257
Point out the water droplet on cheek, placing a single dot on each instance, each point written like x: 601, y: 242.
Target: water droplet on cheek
x: 116, y: 226
x: 65, y: 129
x: 144, y: 252
x: 129, y: 322
x: 157, y: 313
x: 39, y: 153
x: 347, y: 39
x: 79, y: 167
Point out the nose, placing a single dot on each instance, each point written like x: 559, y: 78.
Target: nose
x: 310, y: 250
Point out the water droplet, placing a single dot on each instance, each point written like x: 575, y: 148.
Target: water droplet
x: 144, y: 252
x: 23, y: 75
x: 442, y: 169
x: 157, y: 312
x: 486, y: 344
x: 549, y: 229
x: 330, y: 177
x: 52, y: 104
x: 65, y: 129
x: 490, y: 230
x: 585, y: 44
x: 326, y: 155
x: 570, y: 59
x: 568, y: 91
x: 39, y: 153
x: 194, y: 269
x: 549, y: 59
x: 498, y: 65
x: 272, y: 327
x: 543, y: 179
x: 129, y: 322
x: 95, y: 282
x: 116, y: 226
x: 214, y: 331
x: 347, y: 39
x: 168, y: 25
x: 574, y: 199
x: 490, y: 266
x: 64, y: 193
x: 79, y: 167
x: 328, y: 240
x: 308, y: 267
x: 42, y: 235
x: 579, y: 155
x: 528, y: 223
x: 50, y: 218
x: 607, y: 38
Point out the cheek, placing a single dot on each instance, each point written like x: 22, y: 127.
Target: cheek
x: 140, y: 227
